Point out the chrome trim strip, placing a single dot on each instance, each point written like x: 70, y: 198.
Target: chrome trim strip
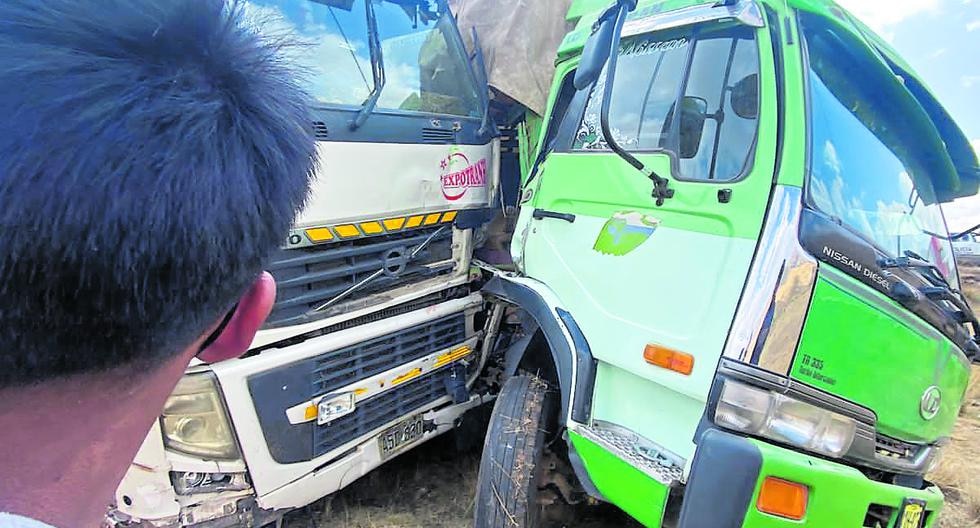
x: 744, y: 12
x: 778, y: 288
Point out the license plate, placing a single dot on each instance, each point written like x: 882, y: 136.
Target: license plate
x: 397, y: 437
x: 913, y: 514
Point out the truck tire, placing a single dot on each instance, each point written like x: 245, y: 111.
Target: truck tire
x: 508, y: 486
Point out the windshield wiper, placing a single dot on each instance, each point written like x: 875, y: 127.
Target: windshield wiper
x: 939, y: 288
x: 377, y: 68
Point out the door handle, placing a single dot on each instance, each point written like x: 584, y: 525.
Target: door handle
x: 541, y: 214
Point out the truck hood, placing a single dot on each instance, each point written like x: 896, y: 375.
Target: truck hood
x: 861, y: 346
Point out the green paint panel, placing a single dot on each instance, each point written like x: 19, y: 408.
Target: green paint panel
x: 601, y: 185
x: 839, y: 495
x: 622, y: 484
x: 878, y: 355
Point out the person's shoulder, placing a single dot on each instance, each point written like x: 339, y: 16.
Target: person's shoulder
x: 8, y: 520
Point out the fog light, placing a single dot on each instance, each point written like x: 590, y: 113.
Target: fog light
x: 783, y: 498
x: 332, y: 407
x: 190, y: 482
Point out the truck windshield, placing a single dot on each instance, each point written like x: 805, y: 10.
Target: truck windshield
x: 715, y: 69
x: 425, y: 67
x: 866, y: 167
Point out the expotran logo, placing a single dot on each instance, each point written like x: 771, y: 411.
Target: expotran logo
x: 459, y: 175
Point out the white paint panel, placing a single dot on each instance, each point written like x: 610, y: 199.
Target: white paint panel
x: 361, y: 181
x: 267, y: 474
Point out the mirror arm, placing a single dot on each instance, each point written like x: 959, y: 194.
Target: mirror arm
x: 661, y: 189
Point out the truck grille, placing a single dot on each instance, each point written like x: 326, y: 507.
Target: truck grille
x: 275, y: 390
x: 379, y: 410
x: 311, y: 276
x: 348, y: 365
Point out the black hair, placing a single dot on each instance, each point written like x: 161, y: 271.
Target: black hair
x: 153, y: 153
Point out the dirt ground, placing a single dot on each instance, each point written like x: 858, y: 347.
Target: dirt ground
x: 432, y: 486
x: 959, y: 472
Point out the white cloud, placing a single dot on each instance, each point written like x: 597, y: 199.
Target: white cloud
x: 882, y: 14
x: 968, y: 81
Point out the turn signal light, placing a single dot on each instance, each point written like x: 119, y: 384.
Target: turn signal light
x: 669, y: 359
x: 783, y: 498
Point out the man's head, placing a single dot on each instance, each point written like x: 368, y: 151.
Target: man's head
x: 152, y: 154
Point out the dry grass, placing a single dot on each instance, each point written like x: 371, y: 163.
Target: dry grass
x: 959, y: 472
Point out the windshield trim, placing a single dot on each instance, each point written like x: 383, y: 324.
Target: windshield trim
x: 745, y: 12
x: 319, y: 105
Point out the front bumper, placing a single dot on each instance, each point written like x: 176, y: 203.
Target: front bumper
x: 159, y: 507
x: 728, y: 472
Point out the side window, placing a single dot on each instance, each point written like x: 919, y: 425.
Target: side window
x: 711, y: 76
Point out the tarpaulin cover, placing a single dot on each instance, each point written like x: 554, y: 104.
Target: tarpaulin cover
x: 520, y: 40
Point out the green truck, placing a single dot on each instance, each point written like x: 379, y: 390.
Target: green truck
x: 734, y: 300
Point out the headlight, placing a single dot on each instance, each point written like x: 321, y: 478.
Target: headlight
x: 767, y: 414
x: 194, y: 420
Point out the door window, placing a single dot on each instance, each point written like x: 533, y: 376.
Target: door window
x: 711, y: 75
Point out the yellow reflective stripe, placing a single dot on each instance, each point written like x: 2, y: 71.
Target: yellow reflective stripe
x: 452, y: 356
x: 347, y: 231
x: 377, y: 227
x: 394, y: 224
x: 319, y: 234
x: 414, y: 373
x: 371, y: 228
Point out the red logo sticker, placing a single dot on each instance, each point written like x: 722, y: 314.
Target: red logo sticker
x: 459, y: 175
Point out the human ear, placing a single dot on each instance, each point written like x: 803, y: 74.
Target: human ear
x: 232, y: 338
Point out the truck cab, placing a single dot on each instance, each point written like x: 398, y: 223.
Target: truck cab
x: 372, y: 346
x: 740, y: 302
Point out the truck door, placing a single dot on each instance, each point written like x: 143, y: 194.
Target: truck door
x: 633, y: 274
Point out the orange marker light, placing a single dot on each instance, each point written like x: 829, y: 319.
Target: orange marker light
x: 783, y: 498
x: 669, y: 359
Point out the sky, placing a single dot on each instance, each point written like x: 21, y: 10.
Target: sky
x: 941, y: 40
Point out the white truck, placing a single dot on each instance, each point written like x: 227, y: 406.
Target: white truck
x: 966, y: 247
x: 374, y: 342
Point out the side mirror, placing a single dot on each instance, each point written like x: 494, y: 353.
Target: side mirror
x: 694, y: 112
x: 596, y: 50
x: 745, y: 97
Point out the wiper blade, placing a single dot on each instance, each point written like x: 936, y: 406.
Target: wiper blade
x: 939, y: 289
x: 377, y: 69
x: 914, y: 261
